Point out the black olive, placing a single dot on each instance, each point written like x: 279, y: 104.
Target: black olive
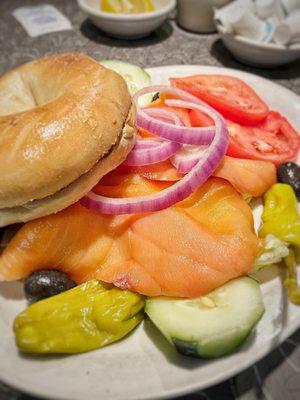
x: 155, y: 96
x: 46, y: 283
x: 289, y: 173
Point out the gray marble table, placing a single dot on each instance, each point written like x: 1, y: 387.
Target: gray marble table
x: 277, y: 376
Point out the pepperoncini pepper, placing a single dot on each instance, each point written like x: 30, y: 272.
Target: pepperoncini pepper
x: 281, y: 218
x: 85, y: 318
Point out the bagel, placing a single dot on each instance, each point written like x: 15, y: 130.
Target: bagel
x: 65, y: 122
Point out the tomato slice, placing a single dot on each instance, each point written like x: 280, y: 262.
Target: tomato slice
x: 232, y: 97
x: 273, y: 140
x: 198, y: 118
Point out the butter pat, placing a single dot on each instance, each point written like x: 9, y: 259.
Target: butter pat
x: 224, y: 15
x: 288, y: 31
x: 245, y: 23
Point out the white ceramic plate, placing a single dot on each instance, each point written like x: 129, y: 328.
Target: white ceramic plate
x: 144, y: 366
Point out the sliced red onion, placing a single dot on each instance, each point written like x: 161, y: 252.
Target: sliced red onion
x: 184, y: 135
x: 146, y: 143
x: 184, y: 160
x: 163, y: 114
x: 159, y: 113
x: 183, y: 188
x: 188, y: 156
x: 152, y: 155
x: 156, y: 153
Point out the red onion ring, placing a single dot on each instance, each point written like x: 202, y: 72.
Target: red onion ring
x: 163, y: 149
x: 188, y: 184
x: 146, y: 143
x: 161, y: 113
x: 184, y: 135
x: 185, y: 160
x: 152, y: 155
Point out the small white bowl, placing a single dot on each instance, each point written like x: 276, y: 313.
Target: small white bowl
x: 256, y: 54
x: 127, y: 26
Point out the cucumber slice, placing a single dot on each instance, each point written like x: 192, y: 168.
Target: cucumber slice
x: 136, y: 77
x: 209, y: 326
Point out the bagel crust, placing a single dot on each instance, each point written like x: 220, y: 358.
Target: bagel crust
x: 78, y: 188
x: 59, y: 117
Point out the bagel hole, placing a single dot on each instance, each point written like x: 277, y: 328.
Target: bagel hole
x: 24, y: 91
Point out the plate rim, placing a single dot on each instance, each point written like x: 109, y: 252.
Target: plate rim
x: 173, y: 393
x: 268, y: 346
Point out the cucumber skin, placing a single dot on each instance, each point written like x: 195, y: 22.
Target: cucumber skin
x: 192, y: 349
x: 189, y: 349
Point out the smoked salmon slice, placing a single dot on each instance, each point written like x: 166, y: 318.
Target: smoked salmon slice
x: 250, y: 177
x: 186, y: 250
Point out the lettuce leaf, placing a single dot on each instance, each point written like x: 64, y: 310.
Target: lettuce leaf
x: 274, y: 252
